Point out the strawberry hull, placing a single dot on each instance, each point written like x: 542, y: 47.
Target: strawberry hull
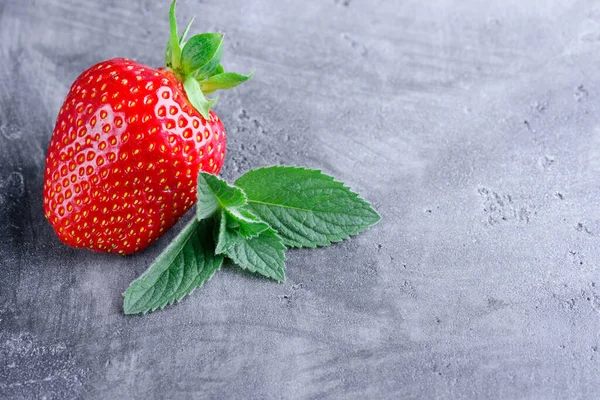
x: 124, y: 157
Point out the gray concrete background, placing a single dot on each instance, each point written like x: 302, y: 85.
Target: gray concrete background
x: 471, y: 126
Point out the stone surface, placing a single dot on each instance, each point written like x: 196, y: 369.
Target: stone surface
x: 471, y: 126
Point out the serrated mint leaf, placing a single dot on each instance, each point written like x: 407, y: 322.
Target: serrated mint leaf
x: 186, y: 263
x: 201, y: 54
x: 235, y: 223
x: 245, y: 222
x: 215, y: 194
x: 306, y: 207
x: 262, y: 254
x: 224, y: 237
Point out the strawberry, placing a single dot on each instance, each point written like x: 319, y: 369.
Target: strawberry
x: 129, y: 142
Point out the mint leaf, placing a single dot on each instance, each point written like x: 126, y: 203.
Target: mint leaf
x: 186, y: 263
x: 236, y: 222
x: 215, y: 194
x: 306, y: 207
x: 262, y: 253
x: 225, y: 80
x: 224, y: 237
x: 201, y: 54
x: 245, y: 222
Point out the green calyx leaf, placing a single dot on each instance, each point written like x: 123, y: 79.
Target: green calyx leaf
x: 168, y: 51
x: 197, y: 98
x: 186, y: 263
x: 198, y: 59
x: 219, y: 70
x: 173, y: 47
x: 215, y: 194
x: 224, y: 80
x: 185, y: 32
x: 306, y: 207
x: 202, y: 54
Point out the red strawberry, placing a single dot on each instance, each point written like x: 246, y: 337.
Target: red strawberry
x: 129, y: 142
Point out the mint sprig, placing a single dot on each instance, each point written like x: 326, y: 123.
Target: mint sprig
x: 251, y: 223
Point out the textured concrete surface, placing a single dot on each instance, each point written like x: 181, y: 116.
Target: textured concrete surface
x: 473, y: 128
